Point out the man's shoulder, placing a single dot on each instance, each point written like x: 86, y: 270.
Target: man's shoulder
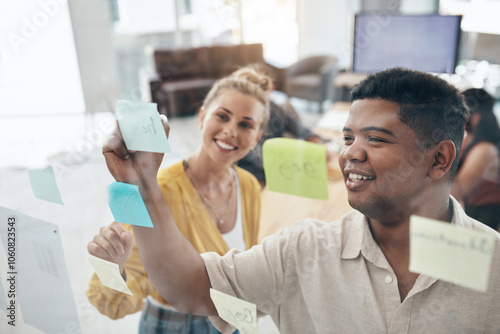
x: 352, y: 216
x: 463, y: 220
x: 312, y: 229
x: 476, y: 225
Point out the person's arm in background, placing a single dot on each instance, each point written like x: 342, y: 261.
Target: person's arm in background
x: 292, y: 123
x: 175, y: 268
x: 472, y: 172
x: 115, y: 243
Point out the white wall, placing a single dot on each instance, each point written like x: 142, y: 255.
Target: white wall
x: 325, y: 28
x: 39, y: 81
x: 419, y: 7
x: 92, y: 34
x: 38, y: 65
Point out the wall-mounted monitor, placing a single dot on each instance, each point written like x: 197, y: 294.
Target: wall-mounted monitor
x: 427, y: 43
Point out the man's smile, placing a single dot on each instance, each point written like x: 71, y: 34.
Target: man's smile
x: 357, y: 180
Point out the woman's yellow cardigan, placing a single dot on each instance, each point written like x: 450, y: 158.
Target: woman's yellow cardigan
x: 194, y: 222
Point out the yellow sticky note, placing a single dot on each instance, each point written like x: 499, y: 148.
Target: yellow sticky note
x: 109, y: 274
x: 295, y: 167
x: 239, y: 313
x: 451, y: 253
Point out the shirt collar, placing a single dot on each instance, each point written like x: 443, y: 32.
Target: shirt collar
x: 360, y: 239
x: 459, y: 217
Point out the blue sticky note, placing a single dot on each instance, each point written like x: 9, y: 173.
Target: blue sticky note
x: 141, y: 126
x: 127, y: 206
x: 43, y: 183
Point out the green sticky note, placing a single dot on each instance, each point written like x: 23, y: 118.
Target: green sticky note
x: 127, y: 205
x: 295, y: 167
x: 43, y: 183
x: 141, y: 126
x: 451, y: 253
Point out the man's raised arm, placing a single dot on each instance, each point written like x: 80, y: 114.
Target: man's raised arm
x: 173, y: 265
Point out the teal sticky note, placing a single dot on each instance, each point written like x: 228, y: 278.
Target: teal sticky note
x: 43, y: 183
x: 295, y: 167
x: 127, y: 206
x: 141, y: 126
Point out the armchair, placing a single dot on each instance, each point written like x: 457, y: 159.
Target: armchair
x: 311, y: 79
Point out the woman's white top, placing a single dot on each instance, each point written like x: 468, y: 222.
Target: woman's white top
x: 235, y: 238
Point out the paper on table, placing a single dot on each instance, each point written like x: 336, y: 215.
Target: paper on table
x: 295, y: 167
x: 451, y: 253
x: 239, y: 313
x: 43, y: 183
x: 45, y: 299
x: 141, y: 126
x: 127, y: 205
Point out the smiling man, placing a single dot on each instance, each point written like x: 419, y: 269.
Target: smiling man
x: 402, y: 141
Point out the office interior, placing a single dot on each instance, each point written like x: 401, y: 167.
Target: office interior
x: 65, y: 63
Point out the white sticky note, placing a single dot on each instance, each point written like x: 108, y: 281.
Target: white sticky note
x: 109, y: 274
x: 239, y: 313
x: 451, y: 253
x: 141, y: 126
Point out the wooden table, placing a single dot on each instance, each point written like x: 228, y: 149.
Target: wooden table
x: 283, y: 210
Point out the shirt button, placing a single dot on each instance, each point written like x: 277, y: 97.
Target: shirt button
x: 388, y: 279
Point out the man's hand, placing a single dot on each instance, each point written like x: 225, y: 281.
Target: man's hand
x: 133, y: 167
x: 113, y: 243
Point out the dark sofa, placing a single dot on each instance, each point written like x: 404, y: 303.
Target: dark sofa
x: 186, y: 75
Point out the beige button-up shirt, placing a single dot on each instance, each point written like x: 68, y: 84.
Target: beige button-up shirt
x: 320, y: 277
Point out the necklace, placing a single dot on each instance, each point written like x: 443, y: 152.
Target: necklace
x: 202, y: 196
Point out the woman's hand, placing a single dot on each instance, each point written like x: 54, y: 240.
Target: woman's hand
x: 113, y: 243
x: 133, y: 167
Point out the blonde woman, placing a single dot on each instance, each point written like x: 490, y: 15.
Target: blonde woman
x: 283, y: 119
x: 215, y: 204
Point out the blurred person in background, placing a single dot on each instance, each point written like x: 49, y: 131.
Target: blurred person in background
x: 477, y: 183
x: 283, y: 120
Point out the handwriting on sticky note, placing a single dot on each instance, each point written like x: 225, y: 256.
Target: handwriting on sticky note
x: 451, y: 253
x: 109, y: 274
x: 127, y: 205
x: 44, y: 185
x: 239, y: 313
x: 141, y: 126
x: 294, y: 170
x: 295, y: 167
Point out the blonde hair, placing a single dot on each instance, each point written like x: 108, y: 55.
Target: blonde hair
x: 256, y: 73
x: 254, y: 87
